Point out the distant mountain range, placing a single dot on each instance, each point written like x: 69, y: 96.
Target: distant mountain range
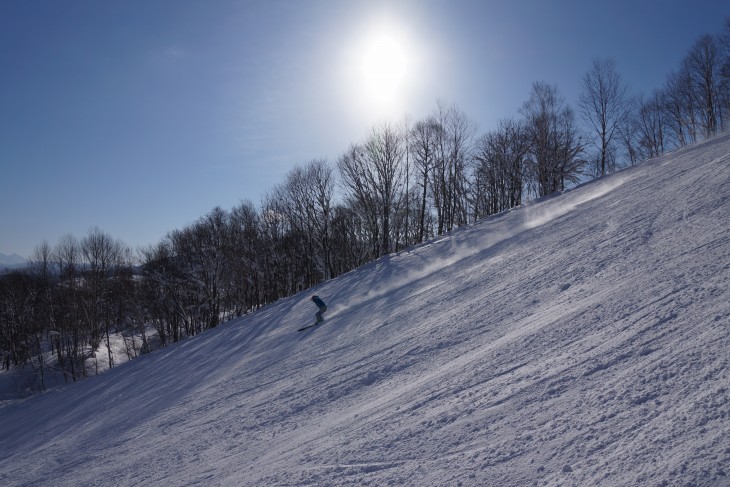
x: 10, y: 261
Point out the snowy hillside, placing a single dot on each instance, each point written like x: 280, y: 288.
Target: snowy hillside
x: 581, y: 340
x: 11, y: 261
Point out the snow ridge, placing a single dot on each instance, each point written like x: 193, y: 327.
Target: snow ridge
x: 579, y: 340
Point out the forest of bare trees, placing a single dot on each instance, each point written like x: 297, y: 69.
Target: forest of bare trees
x: 399, y: 186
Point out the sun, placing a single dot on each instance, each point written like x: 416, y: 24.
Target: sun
x: 380, y: 64
x: 383, y: 66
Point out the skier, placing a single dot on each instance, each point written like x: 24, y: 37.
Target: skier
x: 322, y: 307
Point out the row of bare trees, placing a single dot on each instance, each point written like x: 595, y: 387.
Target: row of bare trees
x: 409, y: 182
x: 693, y: 104
x: 401, y: 185
x: 541, y: 151
x: 72, y: 299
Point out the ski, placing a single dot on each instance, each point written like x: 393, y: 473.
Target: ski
x: 309, y: 326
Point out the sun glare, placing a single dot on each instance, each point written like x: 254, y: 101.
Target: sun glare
x: 381, y: 64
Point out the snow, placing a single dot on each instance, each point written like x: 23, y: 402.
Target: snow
x: 25, y: 380
x: 580, y: 340
x: 11, y: 261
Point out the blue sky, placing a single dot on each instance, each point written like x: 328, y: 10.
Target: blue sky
x: 141, y: 116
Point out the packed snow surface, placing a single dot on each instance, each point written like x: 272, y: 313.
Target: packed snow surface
x: 580, y: 340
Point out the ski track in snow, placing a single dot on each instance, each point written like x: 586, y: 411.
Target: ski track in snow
x: 579, y: 340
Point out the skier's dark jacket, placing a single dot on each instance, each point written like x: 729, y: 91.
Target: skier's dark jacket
x: 318, y: 301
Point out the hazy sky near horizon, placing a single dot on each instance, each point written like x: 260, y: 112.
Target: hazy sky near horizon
x: 139, y: 117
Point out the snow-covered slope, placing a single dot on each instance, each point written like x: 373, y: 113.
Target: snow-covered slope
x: 11, y: 261
x: 580, y: 340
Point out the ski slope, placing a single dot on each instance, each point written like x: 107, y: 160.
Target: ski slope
x: 582, y: 340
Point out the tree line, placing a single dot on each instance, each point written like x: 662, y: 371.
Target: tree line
x: 401, y: 185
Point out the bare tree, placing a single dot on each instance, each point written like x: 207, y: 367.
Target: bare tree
x: 724, y: 41
x: 164, y: 291
x: 42, y: 279
x: 372, y: 175
x: 306, y: 198
x: 450, y: 179
x: 627, y: 131
x: 501, y: 156
x: 680, y: 106
x: 704, y: 64
x: 280, y: 252
x: 322, y: 178
x: 16, y: 317
x: 555, y: 146
x: 67, y: 254
x: 103, y: 259
x: 244, y: 247
x: 604, y: 106
x: 423, y: 141
x: 351, y: 246
x: 651, y: 125
x: 69, y: 334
